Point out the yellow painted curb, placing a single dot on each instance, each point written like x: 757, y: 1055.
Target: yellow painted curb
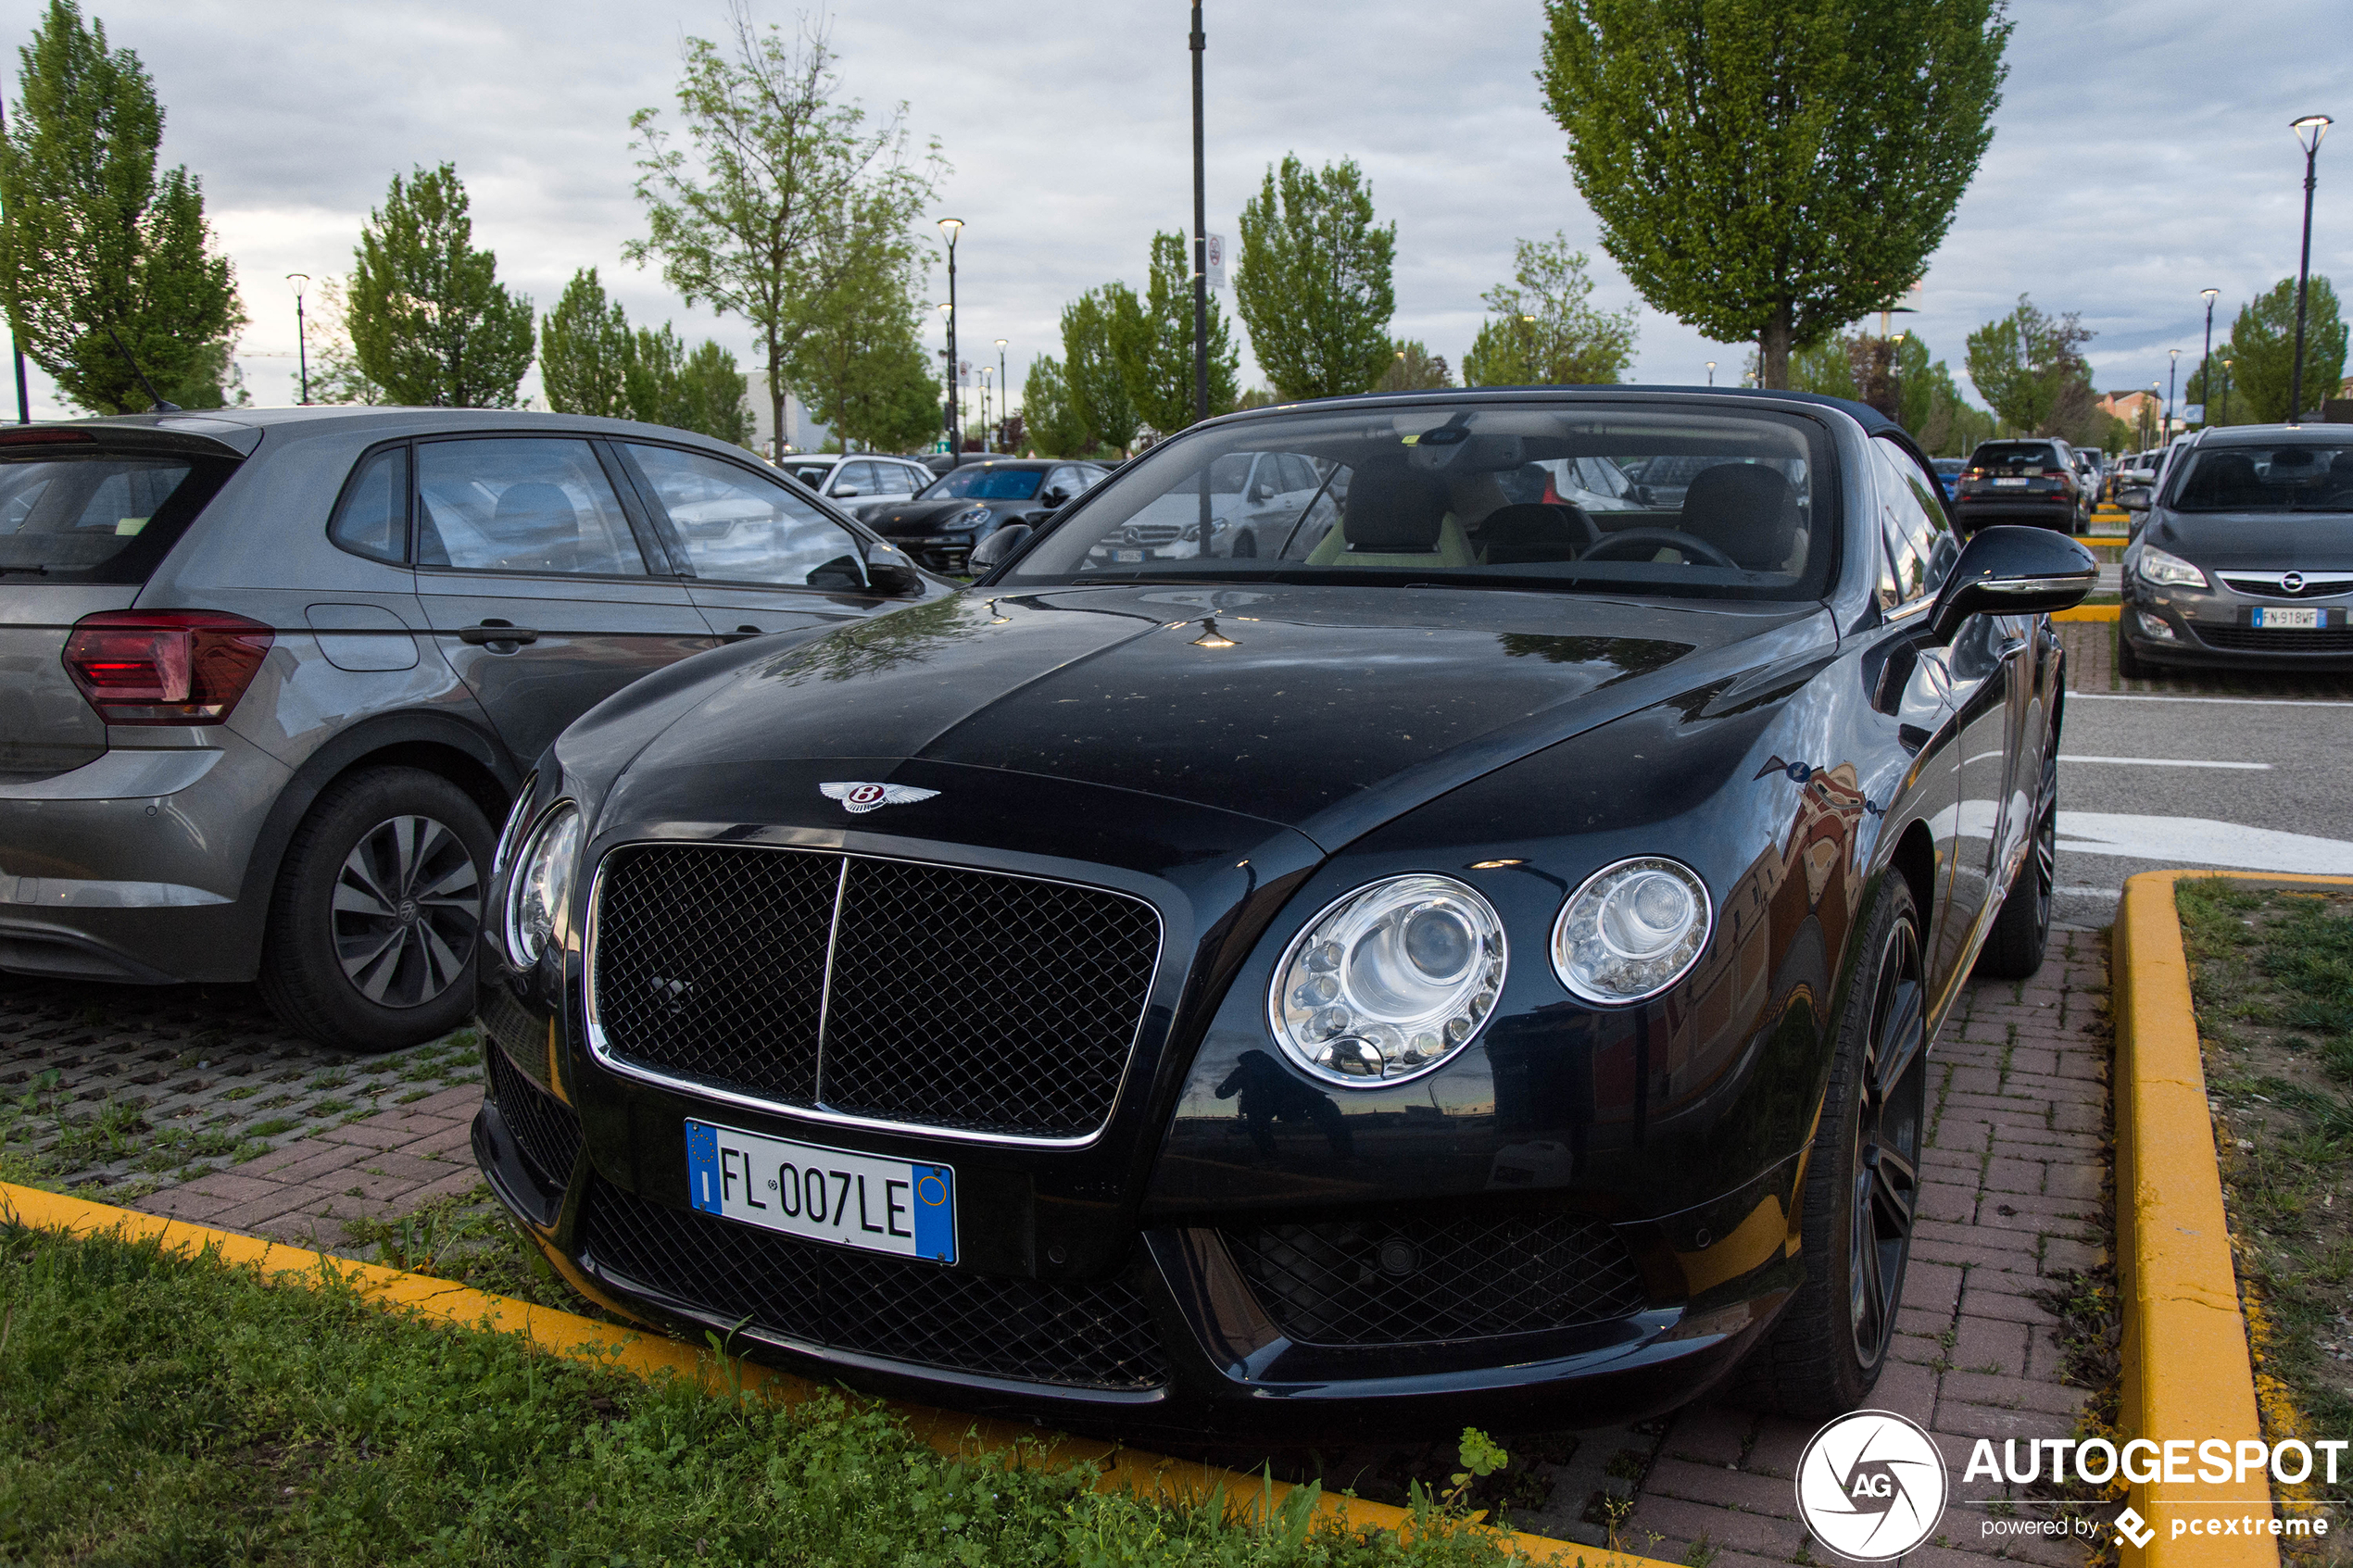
x: 584, y: 1339
x: 2089, y: 612
x: 2187, y: 1372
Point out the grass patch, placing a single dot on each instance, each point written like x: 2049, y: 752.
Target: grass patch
x: 2272, y: 978
x: 160, y: 1409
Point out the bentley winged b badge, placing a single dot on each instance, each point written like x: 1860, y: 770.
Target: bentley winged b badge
x: 861, y: 797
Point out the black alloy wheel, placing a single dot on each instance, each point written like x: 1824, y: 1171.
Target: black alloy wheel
x: 1860, y: 1197
x: 378, y: 911
x: 1891, y: 1096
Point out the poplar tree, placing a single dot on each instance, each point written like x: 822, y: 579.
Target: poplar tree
x: 1545, y: 331
x: 1314, y: 285
x: 1153, y: 340
x: 103, y: 260
x: 430, y: 322
x: 1770, y: 170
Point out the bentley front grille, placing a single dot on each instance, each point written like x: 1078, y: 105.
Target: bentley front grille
x: 893, y: 990
x: 1414, y: 1281
x: 1080, y: 1336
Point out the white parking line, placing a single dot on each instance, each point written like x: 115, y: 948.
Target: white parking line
x: 2200, y: 841
x: 2233, y: 701
x: 2165, y: 762
x: 2081, y: 892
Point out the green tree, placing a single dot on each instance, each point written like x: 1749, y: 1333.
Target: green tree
x: 430, y: 321
x: 1413, y: 367
x: 712, y: 396
x: 860, y: 364
x: 1094, y: 390
x: 1314, y: 285
x: 1048, y: 423
x: 1772, y: 169
x: 1545, y: 331
x: 586, y: 351
x: 1152, y: 339
x: 752, y: 223
x: 2029, y: 366
x: 96, y: 244
x: 2262, y: 353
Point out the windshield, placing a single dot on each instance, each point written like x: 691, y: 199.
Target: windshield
x: 982, y: 484
x: 1517, y: 494
x: 812, y: 475
x: 2265, y: 479
x: 96, y: 517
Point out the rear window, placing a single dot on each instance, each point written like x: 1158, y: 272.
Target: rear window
x: 98, y: 517
x: 2015, y: 454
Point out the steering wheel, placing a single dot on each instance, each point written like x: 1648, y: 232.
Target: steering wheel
x: 1648, y: 540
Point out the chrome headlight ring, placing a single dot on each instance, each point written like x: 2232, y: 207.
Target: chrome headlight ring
x: 1631, y: 930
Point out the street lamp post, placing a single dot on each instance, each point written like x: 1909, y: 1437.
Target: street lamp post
x: 302, y: 344
x: 1005, y: 392
x: 2172, y: 366
x: 1896, y: 376
x: 2206, y: 361
x: 1199, y: 42
x: 952, y: 227
x: 986, y: 372
x: 2308, y: 132
x: 1711, y: 372
x: 2226, y: 389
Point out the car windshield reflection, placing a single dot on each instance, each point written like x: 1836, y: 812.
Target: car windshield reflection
x: 2301, y: 478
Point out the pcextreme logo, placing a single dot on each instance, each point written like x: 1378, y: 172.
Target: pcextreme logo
x: 1871, y: 1485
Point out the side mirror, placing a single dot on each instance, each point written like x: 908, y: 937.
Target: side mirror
x: 2133, y: 498
x: 997, y: 548
x: 1052, y: 499
x: 893, y: 577
x: 848, y: 493
x: 2013, y: 570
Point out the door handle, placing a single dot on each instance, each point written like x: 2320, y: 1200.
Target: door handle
x: 740, y: 633
x: 495, y: 631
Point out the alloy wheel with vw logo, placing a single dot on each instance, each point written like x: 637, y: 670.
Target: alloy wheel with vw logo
x: 1871, y: 1485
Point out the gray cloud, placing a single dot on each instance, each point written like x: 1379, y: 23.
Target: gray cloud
x: 2143, y: 150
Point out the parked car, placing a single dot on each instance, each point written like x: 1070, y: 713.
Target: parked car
x: 955, y: 512
x: 1468, y: 974
x: 1948, y: 475
x: 2088, y: 473
x: 268, y: 678
x: 2031, y: 480
x: 2245, y: 556
x: 1259, y: 503
x: 858, y: 481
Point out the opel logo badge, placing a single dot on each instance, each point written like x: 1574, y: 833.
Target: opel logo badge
x: 2292, y: 582
x: 859, y: 799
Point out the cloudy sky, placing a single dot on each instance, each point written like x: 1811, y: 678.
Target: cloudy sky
x: 2142, y: 150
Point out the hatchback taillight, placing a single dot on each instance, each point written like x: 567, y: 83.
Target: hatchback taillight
x: 165, y: 666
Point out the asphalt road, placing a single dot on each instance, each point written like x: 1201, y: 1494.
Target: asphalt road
x: 2236, y: 783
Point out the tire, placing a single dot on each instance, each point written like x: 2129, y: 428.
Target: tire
x: 1862, y: 1185
x: 1245, y: 546
x: 2014, y: 947
x: 373, y: 928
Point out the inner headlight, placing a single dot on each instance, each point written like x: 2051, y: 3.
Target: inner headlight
x: 541, y: 889
x: 2158, y: 566
x: 969, y: 518
x: 1634, y: 929
x: 1389, y: 982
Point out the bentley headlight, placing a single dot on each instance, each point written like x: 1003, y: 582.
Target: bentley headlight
x: 2158, y: 566
x: 1634, y: 929
x: 540, y: 891
x: 1389, y: 982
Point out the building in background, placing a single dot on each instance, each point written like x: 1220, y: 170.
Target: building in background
x: 802, y: 432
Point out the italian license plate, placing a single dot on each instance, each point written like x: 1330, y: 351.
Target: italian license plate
x: 2291, y: 620
x: 2011, y: 483
x: 1130, y: 554
x: 876, y: 1205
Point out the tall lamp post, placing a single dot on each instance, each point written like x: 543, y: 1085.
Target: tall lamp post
x: 2206, y: 361
x: 2226, y: 389
x: 2173, y: 367
x: 1004, y: 391
x: 1199, y: 42
x: 1711, y: 372
x: 302, y: 341
x: 2308, y: 132
x: 952, y: 227
x: 986, y: 372
x: 1896, y: 376
x: 947, y: 405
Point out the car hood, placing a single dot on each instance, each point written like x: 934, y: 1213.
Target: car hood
x: 2256, y: 541
x: 922, y: 517
x: 1325, y: 709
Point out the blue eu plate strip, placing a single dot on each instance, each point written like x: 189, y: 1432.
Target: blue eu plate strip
x: 702, y: 1167
x: 934, y: 1212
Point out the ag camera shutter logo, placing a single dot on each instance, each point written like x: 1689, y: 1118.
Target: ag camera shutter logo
x: 1871, y: 1485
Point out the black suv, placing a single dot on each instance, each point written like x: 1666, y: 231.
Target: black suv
x: 2032, y: 481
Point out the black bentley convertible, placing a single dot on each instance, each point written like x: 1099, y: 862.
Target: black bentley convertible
x: 1476, y: 960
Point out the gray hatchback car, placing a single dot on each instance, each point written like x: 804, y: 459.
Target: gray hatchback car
x: 269, y: 678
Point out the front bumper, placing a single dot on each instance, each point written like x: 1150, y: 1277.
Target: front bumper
x: 132, y: 867
x: 1169, y: 1343
x: 2214, y: 630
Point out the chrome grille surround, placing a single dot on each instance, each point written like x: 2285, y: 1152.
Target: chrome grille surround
x: 808, y: 1099
x: 2274, y: 584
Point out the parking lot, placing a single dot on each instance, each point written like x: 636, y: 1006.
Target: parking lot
x: 194, y: 1101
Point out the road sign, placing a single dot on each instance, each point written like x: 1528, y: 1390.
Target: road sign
x: 1216, y: 249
